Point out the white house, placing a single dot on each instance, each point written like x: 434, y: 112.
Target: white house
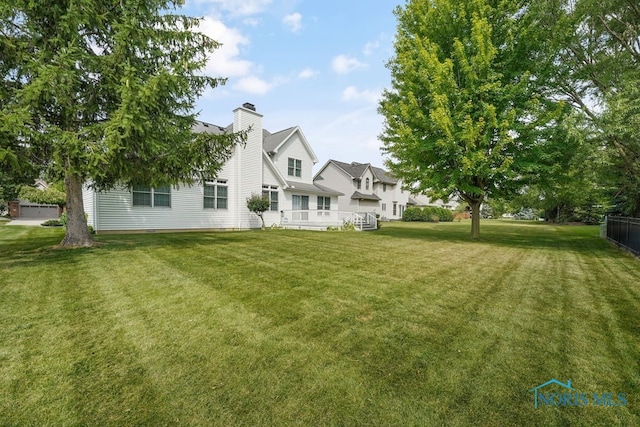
x: 369, y: 188
x: 278, y: 165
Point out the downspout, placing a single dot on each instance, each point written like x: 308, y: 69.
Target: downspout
x: 96, y: 211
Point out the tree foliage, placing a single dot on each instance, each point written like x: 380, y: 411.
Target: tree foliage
x: 258, y: 204
x: 103, y: 92
x: 595, y: 65
x: 47, y: 196
x: 465, y: 115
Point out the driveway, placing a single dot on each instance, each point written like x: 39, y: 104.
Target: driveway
x: 31, y: 222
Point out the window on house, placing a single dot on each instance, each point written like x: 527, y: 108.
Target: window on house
x: 144, y: 195
x: 384, y: 207
x: 162, y: 196
x: 359, y: 184
x: 366, y: 184
x: 295, y: 167
x: 271, y: 192
x: 401, y: 210
x: 216, y: 195
x: 324, y: 204
x: 300, y: 203
x: 384, y: 187
x: 141, y: 195
x: 395, y: 208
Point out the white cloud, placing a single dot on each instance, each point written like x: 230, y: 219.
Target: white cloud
x: 226, y: 60
x: 253, y: 85
x: 343, y: 64
x: 351, y: 93
x: 293, y: 21
x: 370, y: 47
x: 240, y: 7
x: 307, y: 73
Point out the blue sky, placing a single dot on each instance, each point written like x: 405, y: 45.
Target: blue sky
x: 315, y: 64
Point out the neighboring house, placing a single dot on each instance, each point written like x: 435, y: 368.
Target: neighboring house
x: 421, y: 200
x: 278, y: 165
x: 24, y: 209
x: 368, y: 188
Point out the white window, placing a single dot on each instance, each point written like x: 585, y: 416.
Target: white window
x: 299, y: 204
x: 216, y: 194
x: 395, y: 208
x: 359, y: 184
x: 384, y: 187
x: 324, y: 204
x: 366, y: 184
x: 384, y: 207
x: 295, y: 167
x: 153, y: 197
x: 271, y: 192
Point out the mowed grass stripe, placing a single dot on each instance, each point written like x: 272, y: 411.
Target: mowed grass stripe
x: 410, y: 325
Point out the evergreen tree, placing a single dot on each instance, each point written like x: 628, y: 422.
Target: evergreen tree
x: 102, y: 91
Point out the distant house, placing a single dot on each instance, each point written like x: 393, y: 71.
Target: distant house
x: 421, y: 200
x: 277, y: 165
x: 368, y: 188
x: 25, y: 209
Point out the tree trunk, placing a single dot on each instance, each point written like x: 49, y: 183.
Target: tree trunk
x: 475, y: 218
x: 77, y: 233
x: 262, y: 219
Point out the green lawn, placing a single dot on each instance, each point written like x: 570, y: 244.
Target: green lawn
x: 411, y: 325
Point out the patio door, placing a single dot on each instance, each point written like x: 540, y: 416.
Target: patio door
x: 300, y: 205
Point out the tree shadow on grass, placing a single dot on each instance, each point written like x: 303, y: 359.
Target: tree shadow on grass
x: 40, y: 250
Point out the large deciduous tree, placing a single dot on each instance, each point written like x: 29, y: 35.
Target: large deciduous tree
x: 596, y: 67
x: 464, y: 116
x: 102, y: 92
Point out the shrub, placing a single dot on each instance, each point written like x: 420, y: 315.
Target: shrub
x: 427, y: 214
x: 52, y: 223
x: 413, y: 213
x: 348, y: 226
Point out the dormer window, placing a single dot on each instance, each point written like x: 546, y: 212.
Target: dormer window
x: 366, y: 184
x: 295, y: 167
x: 358, y: 184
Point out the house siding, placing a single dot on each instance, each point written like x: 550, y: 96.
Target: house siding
x: 337, y: 179
x: 294, y: 148
x: 248, y: 166
x: 88, y: 201
x: 247, y: 170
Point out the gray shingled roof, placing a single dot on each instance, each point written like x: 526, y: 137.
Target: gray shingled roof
x: 311, y: 188
x: 360, y: 196
x: 203, y: 127
x: 355, y: 170
x: 271, y: 141
x: 384, y: 176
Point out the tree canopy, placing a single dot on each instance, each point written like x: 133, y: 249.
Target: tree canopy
x: 594, y: 64
x: 102, y: 92
x: 465, y: 115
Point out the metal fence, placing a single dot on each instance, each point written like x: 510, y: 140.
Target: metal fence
x: 625, y: 232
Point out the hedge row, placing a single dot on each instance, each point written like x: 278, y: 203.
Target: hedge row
x: 427, y: 214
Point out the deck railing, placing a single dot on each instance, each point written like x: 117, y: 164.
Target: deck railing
x: 327, y: 218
